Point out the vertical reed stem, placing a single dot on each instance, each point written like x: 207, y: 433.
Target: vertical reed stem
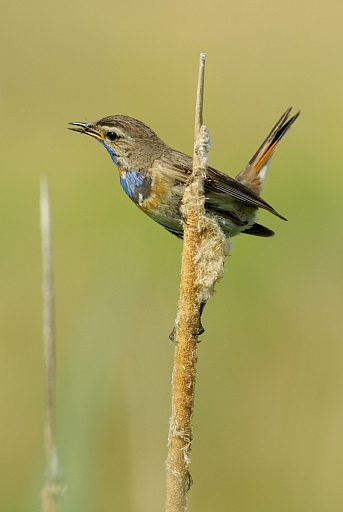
x: 53, y: 489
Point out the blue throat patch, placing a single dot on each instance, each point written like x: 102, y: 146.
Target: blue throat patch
x: 135, y: 184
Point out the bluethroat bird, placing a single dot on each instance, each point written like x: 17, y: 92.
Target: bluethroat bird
x: 154, y: 175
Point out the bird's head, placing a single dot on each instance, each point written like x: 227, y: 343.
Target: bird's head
x: 131, y: 144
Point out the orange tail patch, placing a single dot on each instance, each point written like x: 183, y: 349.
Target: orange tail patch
x: 254, y: 173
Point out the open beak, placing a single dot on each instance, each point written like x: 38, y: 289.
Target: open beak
x: 87, y: 129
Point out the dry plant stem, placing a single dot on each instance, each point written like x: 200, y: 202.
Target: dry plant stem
x: 203, y: 242
x: 53, y: 489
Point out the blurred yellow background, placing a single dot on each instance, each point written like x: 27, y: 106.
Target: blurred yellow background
x: 269, y: 401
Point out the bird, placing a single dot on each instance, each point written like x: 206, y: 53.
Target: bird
x: 154, y: 175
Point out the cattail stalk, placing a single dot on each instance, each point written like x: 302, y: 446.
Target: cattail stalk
x: 203, y: 256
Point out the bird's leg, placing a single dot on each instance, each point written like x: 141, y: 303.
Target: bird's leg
x: 201, y: 329
x: 201, y: 310
x: 172, y: 335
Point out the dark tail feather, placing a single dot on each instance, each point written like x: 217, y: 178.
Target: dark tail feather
x: 269, y: 145
x: 258, y: 230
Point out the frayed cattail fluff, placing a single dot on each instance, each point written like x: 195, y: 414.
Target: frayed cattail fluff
x: 210, y: 257
x: 213, y: 246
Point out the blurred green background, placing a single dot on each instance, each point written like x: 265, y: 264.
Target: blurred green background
x: 268, y: 419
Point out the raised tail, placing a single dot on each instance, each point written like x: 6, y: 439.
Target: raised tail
x: 255, y: 172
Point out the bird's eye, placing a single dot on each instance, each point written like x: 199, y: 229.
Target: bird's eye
x: 112, y: 136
